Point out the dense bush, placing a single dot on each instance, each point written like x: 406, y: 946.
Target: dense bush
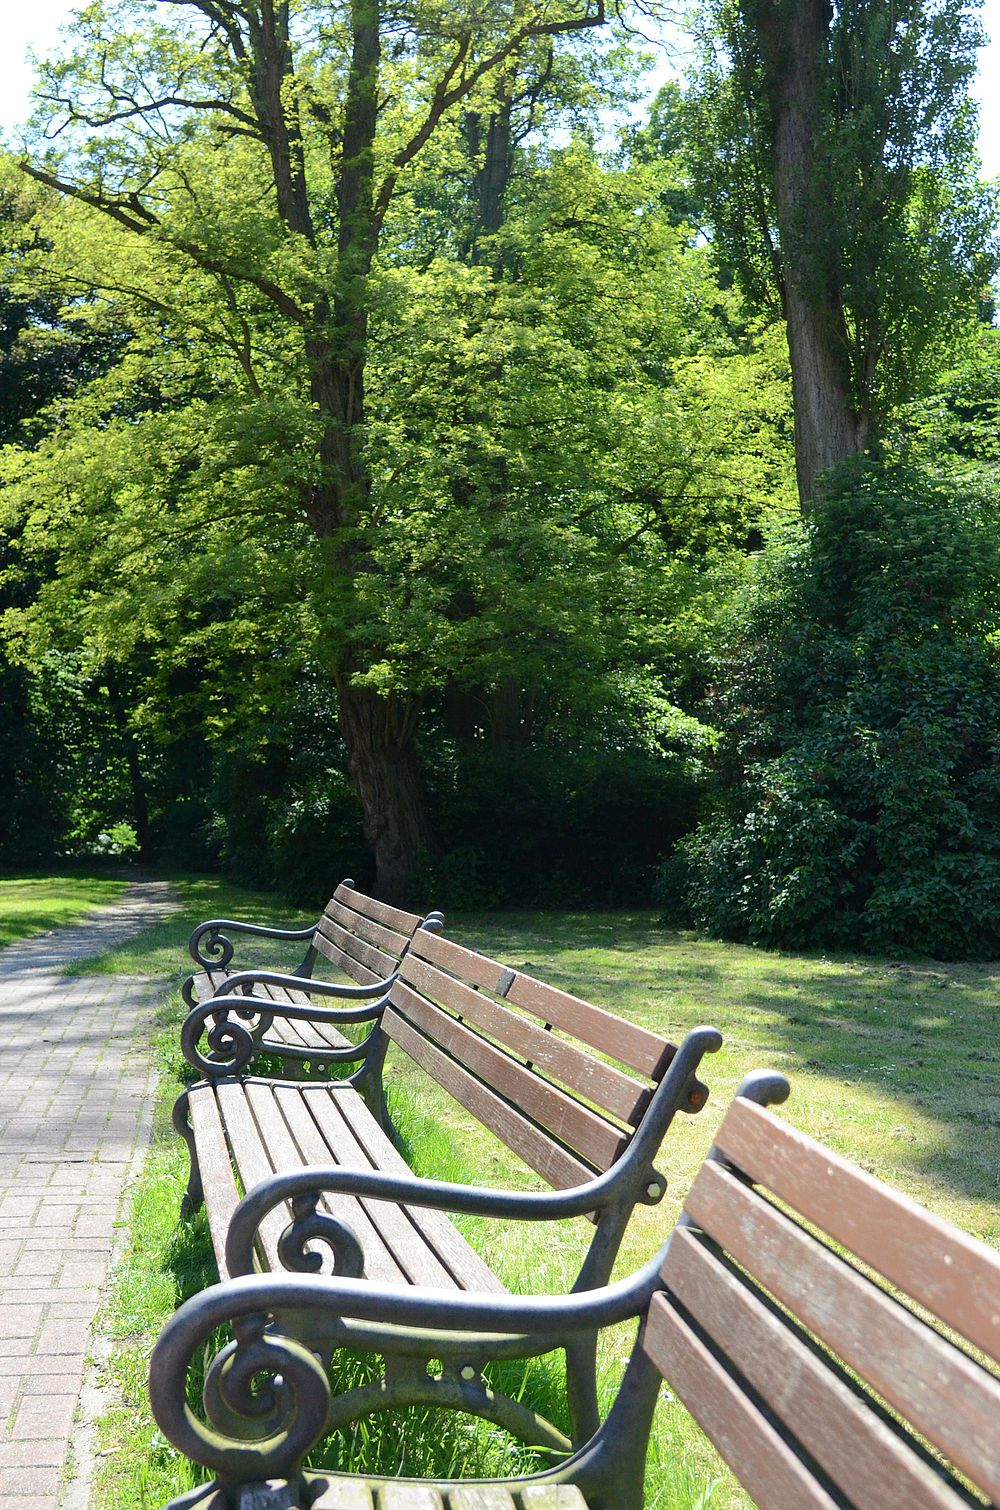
x: 555, y: 827
x: 859, y: 704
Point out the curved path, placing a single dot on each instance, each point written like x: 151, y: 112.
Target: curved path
x: 76, y: 1088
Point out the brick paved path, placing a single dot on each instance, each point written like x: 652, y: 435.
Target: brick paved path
x: 75, y: 1092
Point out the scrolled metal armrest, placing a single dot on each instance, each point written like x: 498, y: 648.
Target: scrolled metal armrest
x: 219, y: 949
x: 232, y: 1041
x: 305, y: 983
x: 292, y: 1413
x: 308, y: 1184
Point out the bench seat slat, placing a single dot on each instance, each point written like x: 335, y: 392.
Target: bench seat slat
x: 535, y: 1147
x: 393, y: 917
x: 221, y: 1194
x: 601, y: 1083
x: 950, y: 1399
x: 467, y: 1269
x: 763, y: 1462
x: 251, y: 1159
x: 944, y: 1270
x: 864, y: 1456
x: 366, y: 929
x: 626, y: 1042
x: 405, y: 1242
x: 598, y: 1141
x: 315, y: 1148
x: 481, y: 1497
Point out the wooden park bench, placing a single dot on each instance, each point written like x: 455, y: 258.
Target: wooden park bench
x: 518, y: 1055
x: 836, y: 1342
x: 362, y: 938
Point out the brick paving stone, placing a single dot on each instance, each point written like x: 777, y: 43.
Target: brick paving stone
x: 75, y: 1087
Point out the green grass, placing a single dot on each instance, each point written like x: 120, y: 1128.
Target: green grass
x: 892, y: 1063
x: 31, y: 904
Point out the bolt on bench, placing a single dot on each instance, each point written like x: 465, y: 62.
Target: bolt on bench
x: 363, y: 938
x: 522, y: 1058
x: 828, y: 1334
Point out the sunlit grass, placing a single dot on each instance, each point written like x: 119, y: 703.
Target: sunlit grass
x: 32, y: 904
x: 893, y: 1063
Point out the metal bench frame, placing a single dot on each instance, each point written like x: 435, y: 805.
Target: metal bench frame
x: 762, y: 1312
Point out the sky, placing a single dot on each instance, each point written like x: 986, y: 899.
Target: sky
x: 35, y: 23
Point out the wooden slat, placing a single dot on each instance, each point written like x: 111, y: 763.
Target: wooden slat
x: 392, y: 917
x: 535, y: 1147
x: 951, y: 1274
x: 339, y: 1494
x: 862, y: 1454
x: 366, y: 928
x: 773, y: 1476
x: 599, y: 1082
x: 949, y: 1399
x: 221, y: 1194
x: 406, y: 1248
x: 551, y: 1497
x: 376, y: 961
x: 481, y: 1497
x: 597, y: 1140
x: 625, y: 1041
x: 251, y: 1159
x: 310, y: 1146
x: 466, y: 1268
x: 408, y: 1497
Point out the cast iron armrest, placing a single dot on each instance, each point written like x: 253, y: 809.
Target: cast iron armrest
x: 291, y: 1413
x: 231, y: 1038
x: 219, y: 947
x: 306, y: 983
x: 631, y: 1177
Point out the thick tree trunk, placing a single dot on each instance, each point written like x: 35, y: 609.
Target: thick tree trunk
x: 379, y: 734
x: 793, y: 37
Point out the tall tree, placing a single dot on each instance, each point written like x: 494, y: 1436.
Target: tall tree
x: 259, y: 151
x: 834, y: 144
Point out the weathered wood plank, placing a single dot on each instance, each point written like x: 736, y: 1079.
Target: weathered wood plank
x: 340, y: 1494
x: 625, y: 1041
x: 530, y: 1143
x: 316, y: 1146
x: 601, y: 1083
x: 406, y: 1247
x: 251, y: 1158
x: 950, y: 1400
x: 221, y: 1194
x: 584, y: 1130
x: 392, y: 917
x: 358, y: 953
x: 764, y: 1463
x: 552, y: 1497
x: 863, y: 1455
x: 480, y: 1497
x: 948, y: 1272
x: 408, y: 1497
x: 367, y: 929
x: 465, y: 1267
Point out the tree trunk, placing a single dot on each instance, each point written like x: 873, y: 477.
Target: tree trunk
x: 793, y: 37
x: 379, y: 734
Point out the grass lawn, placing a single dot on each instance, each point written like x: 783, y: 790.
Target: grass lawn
x: 893, y: 1063
x: 36, y: 904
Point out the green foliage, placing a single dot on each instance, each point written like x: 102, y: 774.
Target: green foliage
x: 859, y: 704
x: 897, y: 234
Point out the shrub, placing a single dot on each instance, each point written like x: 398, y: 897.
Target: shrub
x: 858, y: 795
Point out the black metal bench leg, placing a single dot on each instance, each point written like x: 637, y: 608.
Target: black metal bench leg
x: 194, y: 1196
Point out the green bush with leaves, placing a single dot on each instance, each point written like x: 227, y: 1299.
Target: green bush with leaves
x: 858, y: 799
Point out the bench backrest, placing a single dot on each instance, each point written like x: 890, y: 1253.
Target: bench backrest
x: 520, y: 1056
x: 802, y: 1329
x: 361, y: 936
